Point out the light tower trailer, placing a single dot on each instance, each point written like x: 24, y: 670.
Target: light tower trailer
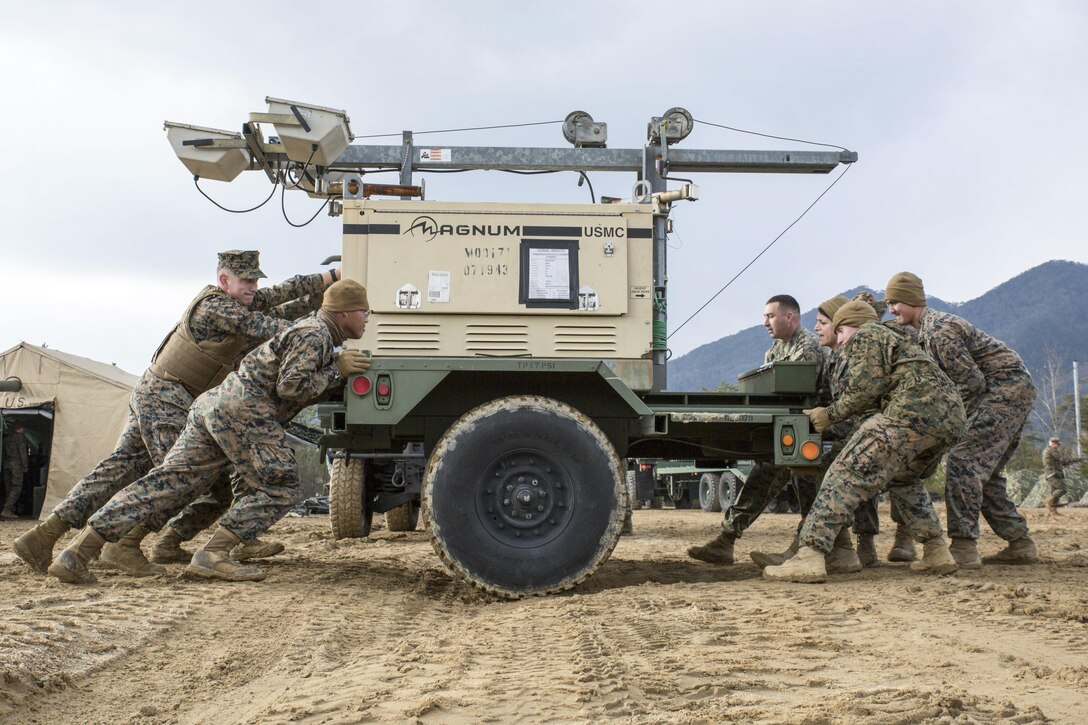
x: 519, y: 355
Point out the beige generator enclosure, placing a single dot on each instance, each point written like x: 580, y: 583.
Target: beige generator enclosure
x: 449, y: 279
x: 72, y: 409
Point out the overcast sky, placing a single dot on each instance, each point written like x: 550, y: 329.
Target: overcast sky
x: 969, y: 118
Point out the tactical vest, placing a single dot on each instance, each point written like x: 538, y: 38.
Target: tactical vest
x: 198, y: 366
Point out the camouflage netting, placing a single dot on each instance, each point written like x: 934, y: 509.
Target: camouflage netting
x: 1028, y: 489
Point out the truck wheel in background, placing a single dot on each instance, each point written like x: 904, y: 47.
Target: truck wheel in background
x: 403, y: 518
x: 727, y: 489
x: 348, y: 513
x: 708, y: 492
x: 526, y: 496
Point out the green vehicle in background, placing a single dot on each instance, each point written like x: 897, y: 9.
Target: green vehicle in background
x: 685, y: 484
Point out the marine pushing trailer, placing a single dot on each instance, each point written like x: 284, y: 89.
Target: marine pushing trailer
x: 519, y: 350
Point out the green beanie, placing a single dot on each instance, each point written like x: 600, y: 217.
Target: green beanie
x: 854, y: 314
x: 346, y: 295
x: 905, y: 287
x: 828, y: 308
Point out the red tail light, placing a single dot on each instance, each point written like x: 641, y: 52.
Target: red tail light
x: 360, y: 385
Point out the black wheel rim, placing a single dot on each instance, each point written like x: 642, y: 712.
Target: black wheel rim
x: 525, y: 498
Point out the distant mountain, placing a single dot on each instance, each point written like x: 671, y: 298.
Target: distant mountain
x: 1034, y: 309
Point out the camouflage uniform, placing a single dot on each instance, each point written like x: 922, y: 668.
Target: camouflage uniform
x: 240, y: 423
x: 766, y: 480
x: 866, y: 519
x: 1054, y: 463
x: 998, y: 395
x: 158, y: 407
x: 15, y: 465
x: 919, y: 417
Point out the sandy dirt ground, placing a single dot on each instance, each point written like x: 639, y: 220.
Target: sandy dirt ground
x: 378, y: 631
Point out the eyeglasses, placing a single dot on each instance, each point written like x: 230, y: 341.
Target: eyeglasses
x: 366, y: 314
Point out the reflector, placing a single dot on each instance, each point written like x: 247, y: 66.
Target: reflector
x: 360, y: 385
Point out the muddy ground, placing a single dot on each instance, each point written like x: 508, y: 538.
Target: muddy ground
x: 361, y: 631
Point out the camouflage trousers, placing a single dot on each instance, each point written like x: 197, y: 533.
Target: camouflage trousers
x: 156, y: 417
x: 213, y: 439
x: 866, y: 520
x: 878, y: 455
x: 1057, y: 486
x: 13, y: 484
x: 976, y: 482
x: 154, y: 423
x: 764, y: 482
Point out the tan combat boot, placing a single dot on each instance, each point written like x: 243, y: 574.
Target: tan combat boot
x: 867, y: 551
x: 807, y: 566
x: 903, y: 547
x: 1050, y: 505
x: 1020, y: 551
x: 127, y: 556
x: 763, y: 559
x: 843, y: 559
x: 214, y: 562
x: 256, y: 549
x: 965, y: 552
x: 35, y: 547
x: 70, y: 566
x: 936, y: 558
x: 718, y: 550
x: 167, y: 549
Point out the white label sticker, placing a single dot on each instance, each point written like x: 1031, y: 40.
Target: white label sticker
x: 549, y: 274
x: 438, y: 286
x: 640, y: 291
x: 444, y: 155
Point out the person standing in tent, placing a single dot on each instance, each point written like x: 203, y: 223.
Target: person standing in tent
x: 15, y: 465
x: 221, y: 323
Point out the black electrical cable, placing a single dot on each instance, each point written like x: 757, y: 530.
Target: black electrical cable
x: 767, y: 135
x: 592, y: 195
x: 283, y: 208
x: 754, y: 259
x: 302, y: 173
x: 196, y: 181
x: 456, y: 130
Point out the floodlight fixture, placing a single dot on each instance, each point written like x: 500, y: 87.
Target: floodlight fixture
x: 209, y: 153
x: 309, y: 134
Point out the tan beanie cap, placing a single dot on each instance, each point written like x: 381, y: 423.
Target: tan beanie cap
x: 347, y: 295
x: 828, y: 308
x: 906, y: 287
x: 854, y: 313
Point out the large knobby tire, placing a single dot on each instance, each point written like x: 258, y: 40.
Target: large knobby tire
x: 348, y: 514
x: 708, y: 492
x: 526, y: 496
x: 403, y: 518
x: 727, y: 489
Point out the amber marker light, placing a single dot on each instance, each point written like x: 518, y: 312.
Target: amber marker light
x: 787, y: 440
x: 810, y: 450
x: 360, y: 385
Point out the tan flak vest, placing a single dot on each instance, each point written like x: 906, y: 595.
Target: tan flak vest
x: 199, y: 366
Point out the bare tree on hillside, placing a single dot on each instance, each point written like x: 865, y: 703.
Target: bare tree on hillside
x: 1053, y: 406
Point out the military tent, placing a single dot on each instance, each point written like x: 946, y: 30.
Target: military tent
x: 73, y: 409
